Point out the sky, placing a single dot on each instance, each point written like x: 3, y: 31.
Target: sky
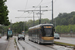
x: 60, y: 6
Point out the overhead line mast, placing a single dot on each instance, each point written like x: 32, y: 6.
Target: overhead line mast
x: 52, y: 11
x: 40, y: 12
x: 33, y: 13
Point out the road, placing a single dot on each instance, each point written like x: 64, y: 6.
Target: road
x: 28, y: 45
x: 66, y: 40
x: 3, y: 43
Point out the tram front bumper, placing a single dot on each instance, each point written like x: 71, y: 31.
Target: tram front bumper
x: 47, y: 41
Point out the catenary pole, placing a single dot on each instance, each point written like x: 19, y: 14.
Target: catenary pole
x: 52, y: 11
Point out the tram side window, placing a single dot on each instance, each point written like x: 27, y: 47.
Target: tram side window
x: 35, y: 31
x: 29, y: 33
x: 53, y: 31
x: 38, y: 32
x: 43, y: 32
x: 32, y: 33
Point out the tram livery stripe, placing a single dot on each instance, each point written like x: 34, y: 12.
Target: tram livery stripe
x: 47, y: 38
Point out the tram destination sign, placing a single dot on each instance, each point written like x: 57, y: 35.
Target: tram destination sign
x: 47, y: 26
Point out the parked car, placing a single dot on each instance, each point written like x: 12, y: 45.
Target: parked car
x: 21, y: 37
x: 56, y: 36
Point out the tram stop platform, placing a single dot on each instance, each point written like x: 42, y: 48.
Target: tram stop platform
x: 11, y: 45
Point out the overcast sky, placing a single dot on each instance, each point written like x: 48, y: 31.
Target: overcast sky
x: 60, y: 6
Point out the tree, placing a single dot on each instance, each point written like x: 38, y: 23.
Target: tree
x: 19, y: 27
x: 74, y: 19
x: 3, y: 13
x: 65, y: 18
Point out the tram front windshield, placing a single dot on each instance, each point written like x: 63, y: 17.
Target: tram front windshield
x: 48, y: 32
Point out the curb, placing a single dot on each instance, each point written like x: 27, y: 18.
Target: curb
x: 19, y: 46
x: 10, y: 44
x: 16, y: 44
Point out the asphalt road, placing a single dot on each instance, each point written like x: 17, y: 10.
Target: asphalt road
x: 28, y: 45
x: 66, y: 40
x: 3, y: 43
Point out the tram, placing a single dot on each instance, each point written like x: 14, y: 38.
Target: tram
x: 42, y: 33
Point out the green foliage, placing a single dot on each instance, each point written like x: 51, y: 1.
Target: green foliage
x: 65, y: 22
x: 43, y: 21
x: 19, y: 27
x: 65, y: 28
x: 3, y: 13
x: 64, y: 44
x: 1, y: 29
x: 65, y: 18
x: 74, y: 19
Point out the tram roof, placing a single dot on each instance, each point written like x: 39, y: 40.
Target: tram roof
x: 39, y: 26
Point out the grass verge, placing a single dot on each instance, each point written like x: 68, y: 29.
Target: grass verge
x: 15, y: 41
x: 64, y: 44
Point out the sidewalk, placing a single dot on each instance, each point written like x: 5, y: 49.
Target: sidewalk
x: 3, y: 43
x: 11, y: 45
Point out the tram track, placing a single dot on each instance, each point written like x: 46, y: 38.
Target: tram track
x: 32, y: 45
x: 53, y: 47
x: 59, y: 47
x: 28, y: 44
x: 35, y: 46
x: 21, y: 45
x: 41, y: 45
x: 50, y: 47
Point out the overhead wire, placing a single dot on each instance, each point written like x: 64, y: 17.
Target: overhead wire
x: 35, y: 8
x: 44, y: 3
x: 40, y: 2
x: 26, y: 4
x: 37, y: 5
x: 48, y: 3
x: 25, y: 7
